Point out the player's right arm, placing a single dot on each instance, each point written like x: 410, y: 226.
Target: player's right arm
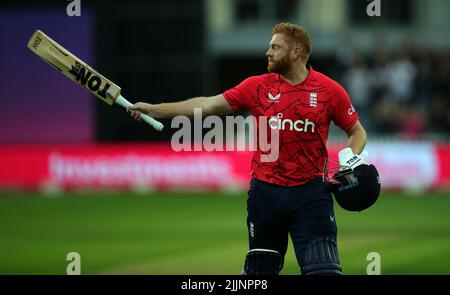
x: 233, y: 100
x: 212, y: 105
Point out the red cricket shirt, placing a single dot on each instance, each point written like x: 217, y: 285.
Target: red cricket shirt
x: 302, y: 114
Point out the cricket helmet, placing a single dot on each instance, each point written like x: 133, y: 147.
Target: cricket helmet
x: 354, y: 189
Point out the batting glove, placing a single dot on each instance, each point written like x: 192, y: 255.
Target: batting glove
x: 348, y: 160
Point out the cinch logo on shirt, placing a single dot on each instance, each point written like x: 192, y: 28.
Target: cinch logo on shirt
x: 277, y: 122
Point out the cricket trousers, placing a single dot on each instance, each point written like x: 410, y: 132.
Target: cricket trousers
x: 304, y: 211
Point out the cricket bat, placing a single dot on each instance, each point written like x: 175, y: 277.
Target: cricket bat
x: 81, y: 73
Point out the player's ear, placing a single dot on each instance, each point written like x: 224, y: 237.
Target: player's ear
x: 296, y: 52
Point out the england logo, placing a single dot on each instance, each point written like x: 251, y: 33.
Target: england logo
x: 313, y: 99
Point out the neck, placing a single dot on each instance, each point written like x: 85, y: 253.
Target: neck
x: 297, y: 74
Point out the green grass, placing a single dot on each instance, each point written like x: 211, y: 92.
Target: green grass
x: 179, y: 233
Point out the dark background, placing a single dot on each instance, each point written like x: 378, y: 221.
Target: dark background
x: 161, y: 51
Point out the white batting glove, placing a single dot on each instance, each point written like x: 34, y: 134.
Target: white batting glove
x: 347, y: 159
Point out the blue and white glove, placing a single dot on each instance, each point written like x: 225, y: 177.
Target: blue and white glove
x: 348, y: 160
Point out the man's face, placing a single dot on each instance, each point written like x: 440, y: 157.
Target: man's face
x: 279, y: 55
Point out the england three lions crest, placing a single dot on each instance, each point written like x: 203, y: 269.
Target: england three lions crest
x: 313, y: 99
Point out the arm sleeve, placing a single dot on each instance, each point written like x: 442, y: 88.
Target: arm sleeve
x: 345, y: 115
x: 241, y: 96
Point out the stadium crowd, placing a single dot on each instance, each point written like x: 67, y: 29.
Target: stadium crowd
x: 403, y: 92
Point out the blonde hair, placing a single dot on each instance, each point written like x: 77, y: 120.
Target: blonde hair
x: 296, y: 34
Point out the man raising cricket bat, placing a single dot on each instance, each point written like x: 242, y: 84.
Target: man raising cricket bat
x: 289, y: 195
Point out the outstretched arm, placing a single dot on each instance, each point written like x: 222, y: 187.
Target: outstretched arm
x: 212, y: 105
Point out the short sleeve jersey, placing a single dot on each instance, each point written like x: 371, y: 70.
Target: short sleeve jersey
x: 301, y: 114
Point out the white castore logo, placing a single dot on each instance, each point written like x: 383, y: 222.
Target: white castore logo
x: 273, y: 98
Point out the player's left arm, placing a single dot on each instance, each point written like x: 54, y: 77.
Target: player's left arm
x: 350, y: 157
x: 357, y: 138
x: 346, y: 116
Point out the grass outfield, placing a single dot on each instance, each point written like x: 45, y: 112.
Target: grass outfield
x: 180, y: 233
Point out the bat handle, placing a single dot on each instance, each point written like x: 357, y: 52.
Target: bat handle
x: 152, y: 122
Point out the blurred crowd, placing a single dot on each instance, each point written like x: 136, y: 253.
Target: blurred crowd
x: 403, y: 92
